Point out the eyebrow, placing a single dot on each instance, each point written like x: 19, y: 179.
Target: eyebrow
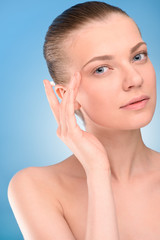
x: 111, y: 57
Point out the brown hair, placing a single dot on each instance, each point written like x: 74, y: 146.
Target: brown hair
x: 71, y: 19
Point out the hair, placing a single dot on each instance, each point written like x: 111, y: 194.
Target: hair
x: 62, y: 26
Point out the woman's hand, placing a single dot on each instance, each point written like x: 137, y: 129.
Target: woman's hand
x: 85, y: 146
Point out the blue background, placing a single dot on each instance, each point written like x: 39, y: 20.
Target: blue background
x: 28, y: 128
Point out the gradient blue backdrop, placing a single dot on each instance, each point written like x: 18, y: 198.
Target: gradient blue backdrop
x: 28, y: 128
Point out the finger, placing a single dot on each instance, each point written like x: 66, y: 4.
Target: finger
x: 70, y: 115
x: 52, y: 99
x: 77, y: 84
x: 74, y: 80
x: 62, y: 111
x: 68, y: 101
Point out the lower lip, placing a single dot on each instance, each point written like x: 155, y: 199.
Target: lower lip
x: 137, y: 106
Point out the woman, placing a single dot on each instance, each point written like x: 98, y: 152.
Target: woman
x: 109, y: 187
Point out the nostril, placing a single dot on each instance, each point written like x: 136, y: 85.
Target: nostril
x: 130, y: 86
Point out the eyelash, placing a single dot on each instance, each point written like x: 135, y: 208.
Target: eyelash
x: 143, y: 52
x: 102, y: 66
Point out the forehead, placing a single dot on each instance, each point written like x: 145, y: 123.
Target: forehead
x: 112, y: 35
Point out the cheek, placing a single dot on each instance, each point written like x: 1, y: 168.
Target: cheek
x: 98, y: 102
x: 149, y: 77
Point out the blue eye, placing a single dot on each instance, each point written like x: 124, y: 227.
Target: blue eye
x: 101, y: 70
x: 140, y: 56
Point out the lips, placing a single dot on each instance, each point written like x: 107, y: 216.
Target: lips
x: 137, y: 99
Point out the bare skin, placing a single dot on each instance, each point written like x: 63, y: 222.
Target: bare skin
x: 137, y: 202
x: 110, y: 154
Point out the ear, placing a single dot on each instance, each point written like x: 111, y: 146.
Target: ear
x: 60, y: 90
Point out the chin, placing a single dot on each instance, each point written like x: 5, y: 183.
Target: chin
x: 141, y: 124
x: 141, y: 120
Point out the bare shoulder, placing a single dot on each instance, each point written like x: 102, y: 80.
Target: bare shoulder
x: 33, y: 183
x: 34, y: 194
x: 46, y: 177
x: 47, y: 182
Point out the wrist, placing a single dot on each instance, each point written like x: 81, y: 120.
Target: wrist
x: 98, y: 170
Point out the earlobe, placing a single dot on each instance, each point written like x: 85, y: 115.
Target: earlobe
x: 77, y: 106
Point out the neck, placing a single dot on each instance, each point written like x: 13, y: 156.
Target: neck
x: 128, y: 155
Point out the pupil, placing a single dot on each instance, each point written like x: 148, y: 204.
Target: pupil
x: 100, y: 69
x: 137, y: 57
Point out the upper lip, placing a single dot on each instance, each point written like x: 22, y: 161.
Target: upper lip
x: 136, y: 99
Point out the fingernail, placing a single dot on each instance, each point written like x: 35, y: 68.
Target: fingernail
x: 71, y: 82
x: 76, y: 74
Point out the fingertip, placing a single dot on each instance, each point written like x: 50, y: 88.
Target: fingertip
x: 77, y: 75
x: 44, y: 82
x: 78, y: 79
x: 52, y: 83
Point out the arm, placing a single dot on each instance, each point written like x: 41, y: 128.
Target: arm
x: 38, y: 215
x: 101, y: 218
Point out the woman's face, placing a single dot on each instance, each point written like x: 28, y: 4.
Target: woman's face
x: 112, y: 59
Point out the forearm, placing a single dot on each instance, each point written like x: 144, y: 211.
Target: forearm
x: 101, y: 218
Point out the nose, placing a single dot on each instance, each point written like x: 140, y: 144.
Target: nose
x: 132, y: 78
